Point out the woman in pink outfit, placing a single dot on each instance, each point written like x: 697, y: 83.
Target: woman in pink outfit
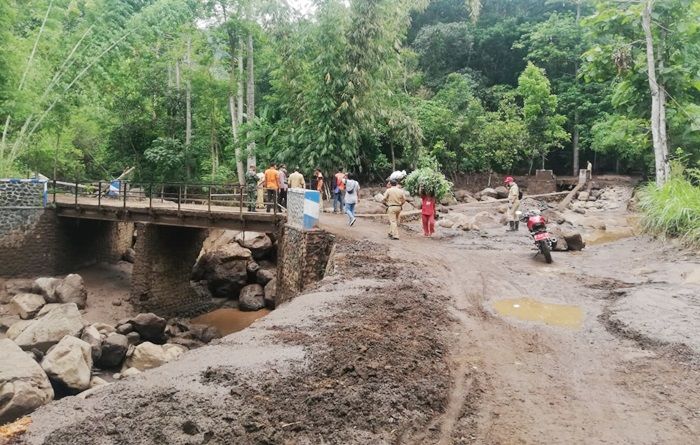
x: 428, y: 214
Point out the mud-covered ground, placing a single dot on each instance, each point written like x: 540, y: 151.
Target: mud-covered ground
x: 424, y: 341
x: 361, y: 359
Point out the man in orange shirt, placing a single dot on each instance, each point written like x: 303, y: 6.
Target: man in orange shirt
x: 271, y: 185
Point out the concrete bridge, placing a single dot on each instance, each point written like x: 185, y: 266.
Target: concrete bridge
x: 52, y: 228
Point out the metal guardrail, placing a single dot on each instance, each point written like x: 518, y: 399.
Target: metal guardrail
x: 123, y: 193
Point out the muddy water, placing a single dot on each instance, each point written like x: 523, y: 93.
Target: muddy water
x: 608, y: 236
x: 528, y: 309
x: 229, y: 320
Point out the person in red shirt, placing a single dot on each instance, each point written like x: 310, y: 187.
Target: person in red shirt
x: 427, y: 210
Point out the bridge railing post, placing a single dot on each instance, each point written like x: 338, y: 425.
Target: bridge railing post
x: 124, y: 200
x: 76, y: 193
x: 150, y: 197
x: 179, y: 196
x: 54, y: 190
x: 240, y: 200
x: 209, y: 200
x: 99, y: 195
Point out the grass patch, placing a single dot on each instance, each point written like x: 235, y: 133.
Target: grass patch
x: 672, y: 210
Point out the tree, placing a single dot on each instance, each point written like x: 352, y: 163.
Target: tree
x: 543, y: 122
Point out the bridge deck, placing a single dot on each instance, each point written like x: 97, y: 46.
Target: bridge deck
x: 167, y: 213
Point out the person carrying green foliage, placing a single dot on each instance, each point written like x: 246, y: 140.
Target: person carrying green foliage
x: 251, y: 188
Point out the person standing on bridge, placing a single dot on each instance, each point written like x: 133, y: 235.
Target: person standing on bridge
x: 318, y: 176
x: 394, y: 198
x: 339, y: 192
x: 282, y: 182
x: 296, y: 180
x: 513, y: 203
x: 251, y: 188
x: 271, y: 185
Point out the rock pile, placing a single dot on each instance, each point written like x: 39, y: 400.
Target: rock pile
x: 239, y: 267
x: 51, y: 350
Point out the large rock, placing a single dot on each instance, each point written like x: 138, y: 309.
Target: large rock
x: 258, y: 243
x: 27, y: 305
x: 149, y: 326
x: 46, y: 287
x: 92, y: 337
x: 72, y: 290
x: 379, y: 198
x: 574, y: 241
x: 50, y: 328
x: 16, y: 328
x: 252, y: 298
x: 23, y: 384
x: 501, y: 192
x: 369, y: 207
x: 114, y: 349
x: 270, y: 293
x: 69, y: 363
x: 217, y: 239
x: 148, y: 356
x: 14, y: 287
x: 265, y: 275
x: 459, y: 220
x: 225, y: 270
x: 491, y: 193
x: 485, y: 219
x: 554, y: 216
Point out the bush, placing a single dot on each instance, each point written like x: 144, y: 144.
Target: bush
x: 672, y: 210
x: 429, y: 181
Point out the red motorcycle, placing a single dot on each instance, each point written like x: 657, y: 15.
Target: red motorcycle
x: 537, y: 225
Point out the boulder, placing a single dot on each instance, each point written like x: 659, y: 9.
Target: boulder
x: 218, y: 238
x: 14, y: 287
x: 462, y: 195
x: 369, y: 207
x: 252, y: 298
x: 72, y: 290
x: 204, y: 333
x: 446, y: 223
x: 225, y: 271
x: 92, y: 337
x: 24, y: 386
x: 129, y: 255
x: 16, y: 328
x: 133, y: 338
x: 574, y: 241
x: 46, y: 309
x: 130, y: 372
x: 97, y: 381
x: 7, y: 321
x: 583, y: 196
x: 113, y: 351
x: 270, y: 293
x: 488, y: 192
x: 189, y: 343
x: 49, y: 329
x: 501, y: 192
x: 149, y: 326
x: 252, y: 267
x: 488, y: 199
x: 46, y: 287
x: 485, y: 219
x: 125, y: 328
x: 173, y: 352
x: 265, y: 275
x: 27, y: 305
x: 69, y: 363
x: 104, y: 328
x: 459, y: 220
x: 147, y: 356
x: 554, y: 216
x: 201, y: 290
x: 448, y: 200
x: 379, y: 197
x: 560, y: 245
x: 258, y: 243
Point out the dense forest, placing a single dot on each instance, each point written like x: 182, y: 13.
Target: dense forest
x: 197, y: 89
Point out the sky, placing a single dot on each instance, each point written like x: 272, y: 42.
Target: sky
x: 303, y: 6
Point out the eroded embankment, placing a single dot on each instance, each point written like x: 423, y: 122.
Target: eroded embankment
x: 359, y: 360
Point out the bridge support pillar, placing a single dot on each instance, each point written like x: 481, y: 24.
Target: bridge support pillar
x: 160, y: 281
x: 304, y: 257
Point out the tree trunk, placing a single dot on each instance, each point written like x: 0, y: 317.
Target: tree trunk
x: 574, y: 143
x: 188, y: 108
x: 543, y: 157
x: 234, y: 132
x: 393, y: 156
x: 250, y: 105
x: 177, y: 75
x: 239, y: 90
x: 658, y: 116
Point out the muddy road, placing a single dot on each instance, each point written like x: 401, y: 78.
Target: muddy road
x: 460, y: 339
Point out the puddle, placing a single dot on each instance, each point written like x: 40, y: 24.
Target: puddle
x: 608, y: 236
x: 528, y: 309
x: 229, y: 320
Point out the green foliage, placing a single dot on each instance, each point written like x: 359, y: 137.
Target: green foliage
x: 166, y: 157
x: 428, y: 180
x: 673, y: 209
x: 543, y: 122
x: 620, y: 136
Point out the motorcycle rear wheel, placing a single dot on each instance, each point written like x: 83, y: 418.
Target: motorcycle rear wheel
x: 544, y: 248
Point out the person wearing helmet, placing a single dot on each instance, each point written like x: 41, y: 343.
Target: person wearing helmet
x: 513, y: 203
